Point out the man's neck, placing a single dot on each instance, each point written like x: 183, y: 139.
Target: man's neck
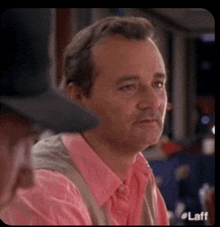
x: 116, y: 158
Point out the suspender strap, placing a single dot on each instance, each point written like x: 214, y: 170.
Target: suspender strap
x: 148, y: 216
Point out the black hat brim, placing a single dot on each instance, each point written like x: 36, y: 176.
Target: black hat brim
x: 53, y: 110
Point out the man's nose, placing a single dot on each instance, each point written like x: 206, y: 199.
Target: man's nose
x: 150, y: 99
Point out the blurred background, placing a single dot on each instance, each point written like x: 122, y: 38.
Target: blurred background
x: 183, y: 161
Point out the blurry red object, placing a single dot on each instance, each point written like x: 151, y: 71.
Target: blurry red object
x: 206, y: 104
x: 210, y: 206
x: 170, y: 148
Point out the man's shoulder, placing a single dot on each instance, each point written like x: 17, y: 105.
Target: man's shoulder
x: 53, y: 200
x: 51, y: 187
x: 50, y: 153
x: 55, y: 182
x: 56, y: 143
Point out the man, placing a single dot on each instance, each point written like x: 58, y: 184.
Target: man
x: 26, y: 99
x: 99, y: 177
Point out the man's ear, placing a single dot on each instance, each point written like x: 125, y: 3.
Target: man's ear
x: 74, y: 92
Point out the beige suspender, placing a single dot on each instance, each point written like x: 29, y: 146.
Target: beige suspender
x: 148, y: 216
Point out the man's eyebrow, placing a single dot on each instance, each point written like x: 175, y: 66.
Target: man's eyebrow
x: 127, y: 78
x: 161, y: 75
x: 136, y: 77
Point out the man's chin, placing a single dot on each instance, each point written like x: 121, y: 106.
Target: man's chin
x: 148, y: 139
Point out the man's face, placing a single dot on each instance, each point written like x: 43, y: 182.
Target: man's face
x: 16, y: 140
x: 129, y: 92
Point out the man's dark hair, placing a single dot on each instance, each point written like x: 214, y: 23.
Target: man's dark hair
x: 79, y: 66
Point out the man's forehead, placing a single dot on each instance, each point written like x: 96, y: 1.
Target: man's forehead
x: 118, y: 48
x: 119, y: 51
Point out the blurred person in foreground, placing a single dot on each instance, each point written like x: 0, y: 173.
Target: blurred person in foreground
x: 100, y: 177
x: 27, y: 103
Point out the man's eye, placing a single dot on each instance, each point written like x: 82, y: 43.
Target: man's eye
x: 129, y: 87
x: 159, y: 84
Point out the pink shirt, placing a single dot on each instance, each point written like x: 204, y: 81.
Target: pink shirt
x: 55, y: 200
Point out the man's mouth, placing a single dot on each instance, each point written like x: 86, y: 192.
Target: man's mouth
x: 148, y: 121
x: 150, y: 117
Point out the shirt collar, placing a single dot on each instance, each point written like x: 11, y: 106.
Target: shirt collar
x: 101, y: 180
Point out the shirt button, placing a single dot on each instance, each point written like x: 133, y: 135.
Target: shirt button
x: 121, y: 188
